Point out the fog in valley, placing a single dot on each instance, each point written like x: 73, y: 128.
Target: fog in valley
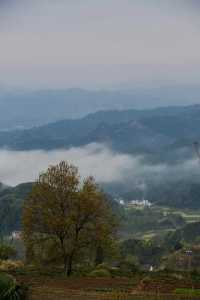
x: 98, y: 160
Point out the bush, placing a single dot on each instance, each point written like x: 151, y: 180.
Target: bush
x: 6, y: 251
x: 10, y: 289
x: 128, y: 266
x: 102, y: 266
x: 188, y: 292
x: 100, y: 273
x: 10, y: 265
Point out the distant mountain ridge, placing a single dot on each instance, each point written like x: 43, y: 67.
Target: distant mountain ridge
x: 26, y: 109
x: 127, y: 131
x: 34, y: 108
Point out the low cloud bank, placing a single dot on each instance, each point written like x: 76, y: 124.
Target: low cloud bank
x: 97, y: 160
x: 94, y: 159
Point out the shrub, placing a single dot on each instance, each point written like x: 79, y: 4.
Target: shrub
x: 10, y: 289
x: 116, y: 272
x: 187, y: 292
x: 103, y: 266
x: 128, y: 267
x: 100, y: 273
x: 6, y: 251
x: 10, y: 265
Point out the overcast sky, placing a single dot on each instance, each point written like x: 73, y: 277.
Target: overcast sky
x: 99, y: 43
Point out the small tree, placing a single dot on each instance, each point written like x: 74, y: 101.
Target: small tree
x: 66, y: 215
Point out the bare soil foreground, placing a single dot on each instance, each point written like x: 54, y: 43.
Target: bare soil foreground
x: 137, y: 288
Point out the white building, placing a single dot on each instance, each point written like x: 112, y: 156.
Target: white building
x: 120, y: 201
x: 16, y: 235
x: 139, y: 203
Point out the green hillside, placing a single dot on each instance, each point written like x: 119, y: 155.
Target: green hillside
x: 11, y: 201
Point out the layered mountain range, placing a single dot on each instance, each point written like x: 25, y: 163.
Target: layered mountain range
x: 29, y: 108
x: 156, y: 131
x: 162, y: 135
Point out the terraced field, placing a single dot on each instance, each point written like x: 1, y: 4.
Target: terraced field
x: 161, y: 288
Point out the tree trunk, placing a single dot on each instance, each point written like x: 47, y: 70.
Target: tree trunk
x: 65, y: 256
x: 65, y: 264
x: 69, y: 265
x: 99, y: 256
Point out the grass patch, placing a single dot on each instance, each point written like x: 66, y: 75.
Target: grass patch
x: 187, y: 292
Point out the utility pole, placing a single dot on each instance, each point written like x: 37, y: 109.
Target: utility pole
x: 189, y: 265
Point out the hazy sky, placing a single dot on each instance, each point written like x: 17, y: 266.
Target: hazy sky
x: 99, y: 43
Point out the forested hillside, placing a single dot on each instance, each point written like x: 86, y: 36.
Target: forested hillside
x: 11, y: 202
x: 149, y: 131
x: 161, y: 136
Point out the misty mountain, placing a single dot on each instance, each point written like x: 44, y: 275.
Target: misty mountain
x: 26, y: 109
x: 131, y: 131
x: 178, y: 194
x: 11, y: 202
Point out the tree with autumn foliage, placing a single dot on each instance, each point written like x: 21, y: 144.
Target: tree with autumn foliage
x: 66, y: 216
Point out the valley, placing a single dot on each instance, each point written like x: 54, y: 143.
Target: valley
x: 99, y: 150
x: 153, y: 153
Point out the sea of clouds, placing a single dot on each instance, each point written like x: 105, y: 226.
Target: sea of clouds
x: 98, y: 160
